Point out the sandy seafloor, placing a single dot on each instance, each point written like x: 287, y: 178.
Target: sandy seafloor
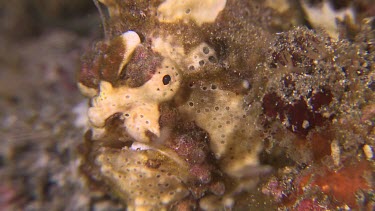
x: 39, y: 56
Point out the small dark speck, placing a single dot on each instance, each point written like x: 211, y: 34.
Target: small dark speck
x: 372, y: 86
x: 212, y: 59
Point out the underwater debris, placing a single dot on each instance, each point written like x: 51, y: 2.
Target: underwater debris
x: 219, y: 104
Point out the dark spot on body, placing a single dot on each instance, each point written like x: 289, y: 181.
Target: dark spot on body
x: 206, y: 50
x: 166, y: 79
x: 201, y: 62
x: 212, y: 59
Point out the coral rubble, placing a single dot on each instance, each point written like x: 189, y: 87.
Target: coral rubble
x: 194, y: 104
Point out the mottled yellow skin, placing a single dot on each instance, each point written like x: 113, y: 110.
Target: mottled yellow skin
x: 324, y: 16
x: 139, y: 106
x: 199, y: 11
x: 222, y: 115
x: 147, y: 179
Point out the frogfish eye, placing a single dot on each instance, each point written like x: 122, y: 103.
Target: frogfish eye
x: 166, y: 79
